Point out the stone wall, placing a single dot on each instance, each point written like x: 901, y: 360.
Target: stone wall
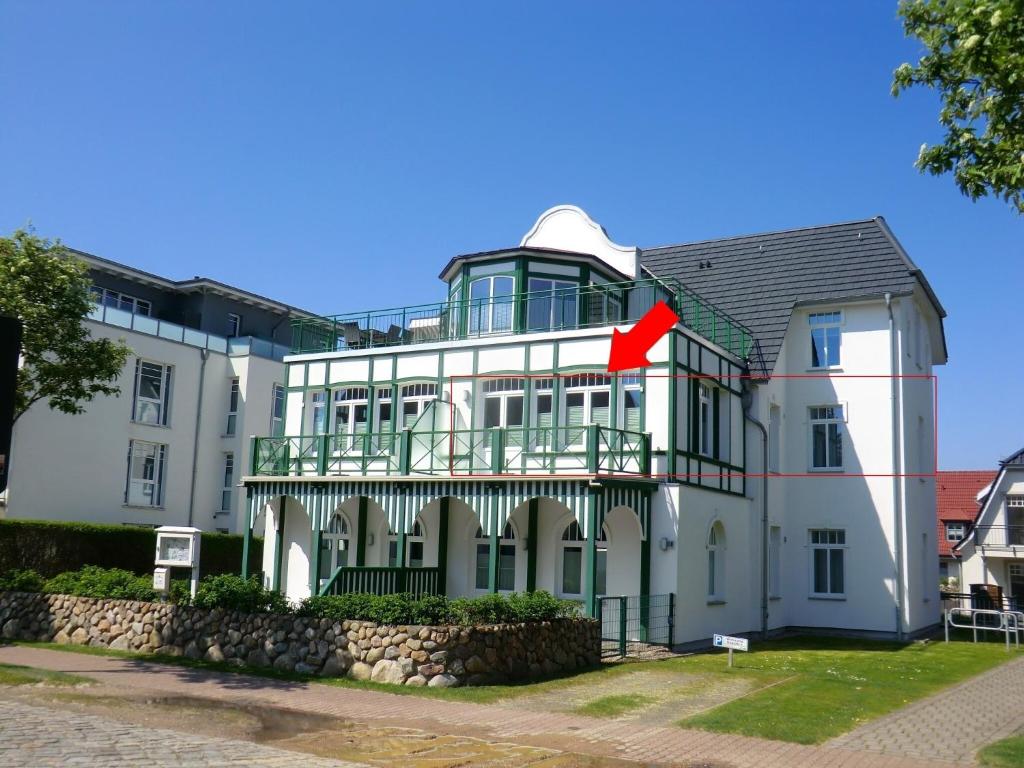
x: 441, y: 656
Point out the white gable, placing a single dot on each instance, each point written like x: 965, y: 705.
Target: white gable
x: 568, y: 228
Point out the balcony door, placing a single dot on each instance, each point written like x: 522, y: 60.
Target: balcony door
x: 552, y: 305
x: 491, y: 305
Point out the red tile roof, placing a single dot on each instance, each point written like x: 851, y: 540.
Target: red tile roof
x: 956, y: 493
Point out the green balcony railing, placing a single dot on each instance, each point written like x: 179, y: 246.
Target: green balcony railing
x: 586, y: 306
x: 383, y: 580
x: 590, y: 450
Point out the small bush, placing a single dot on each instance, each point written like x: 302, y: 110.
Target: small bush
x: 21, y: 580
x: 93, y: 581
x: 233, y: 593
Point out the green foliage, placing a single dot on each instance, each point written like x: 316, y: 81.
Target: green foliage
x: 92, y: 581
x: 974, y: 57
x: 48, y: 290
x: 1003, y: 754
x: 50, y: 547
x: 21, y: 580
x: 233, y: 593
x: 436, y: 609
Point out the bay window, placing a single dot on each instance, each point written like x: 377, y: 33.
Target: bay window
x: 551, y: 304
x: 490, y: 304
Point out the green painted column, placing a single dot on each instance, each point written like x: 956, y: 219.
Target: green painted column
x: 361, y: 532
x: 442, y: 547
x: 673, y: 427
x: 645, y: 581
x: 279, y: 545
x: 493, y: 560
x: 590, y: 554
x: 316, y: 543
x: 247, y: 533
x: 403, y: 521
x: 531, y: 545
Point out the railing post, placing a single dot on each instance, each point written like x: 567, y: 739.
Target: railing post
x: 497, y: 451
x: 645, y: 453
x: 623, y: 607
x: 593, y: 459
x: 254, y: 443
x: 321, y: 453
x: 404, y: 451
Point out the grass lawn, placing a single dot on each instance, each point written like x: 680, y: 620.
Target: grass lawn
x: 1008, y: 753
x: 13, y: 674
x: 806, y: 689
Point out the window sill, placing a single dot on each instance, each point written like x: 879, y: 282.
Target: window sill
x: 157, y: 508
x: 149, y: 424
x: 826, y: 470
x: 826, y: 369
x: 829, y: 598
x: 774, y: 598
x: 716, y: 602
x: 226, y: 436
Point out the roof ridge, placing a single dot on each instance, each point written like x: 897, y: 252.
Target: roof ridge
x: 873, y: 219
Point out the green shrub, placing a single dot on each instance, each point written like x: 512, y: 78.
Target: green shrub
x: 233, y: 593
x: 93, y: 581
x: 50, y: 547
x: 21, y: 580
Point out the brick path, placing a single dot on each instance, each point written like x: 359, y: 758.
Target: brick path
x: 623, y: 739
x: 39, y: 737
x: 952, y: 725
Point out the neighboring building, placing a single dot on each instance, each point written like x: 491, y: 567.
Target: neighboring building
x: 992, y: 555
x: 479, y: 444
x: 958, y: 497
x: 205, y: 373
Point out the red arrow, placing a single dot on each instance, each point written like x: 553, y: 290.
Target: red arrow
x: 629, y: 350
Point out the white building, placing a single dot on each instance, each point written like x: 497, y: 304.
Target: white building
x: 992, y: 554
x: 205, y: 372
x: 479, y: 444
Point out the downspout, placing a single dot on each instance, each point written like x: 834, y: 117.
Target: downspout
x: 897, y: 506
x: 204, y: 354
x: 748, y: 400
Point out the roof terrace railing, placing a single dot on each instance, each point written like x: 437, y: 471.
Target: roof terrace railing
x: 585, y: 306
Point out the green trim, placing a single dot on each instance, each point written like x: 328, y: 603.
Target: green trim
x: 247, y: 533
x: 672, y: 407
x: 613, y: 416
x: 472, y: 390
x: 645, y: 582
x: 556, y: 398
x: 442, y: 546
x: 590, y: 555
x: 400, y: 555
x: 492, y: 556
x: 361, y: 532
x: 316, y: 542
x: 279, y: 545
x: 531, y: 544
x: 519, y: 291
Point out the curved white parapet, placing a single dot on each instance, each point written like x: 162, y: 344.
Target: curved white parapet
x: 568, y: 228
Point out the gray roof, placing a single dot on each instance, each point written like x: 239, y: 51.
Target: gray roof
x: 758, y: 279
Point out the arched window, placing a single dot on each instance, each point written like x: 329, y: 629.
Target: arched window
x: 334, y: 546
x: 506, y: 559
x: 572, y: 544
x: 413, y: 547
x: 716, y: 562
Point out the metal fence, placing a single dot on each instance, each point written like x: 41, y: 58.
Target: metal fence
x: 632, y: 625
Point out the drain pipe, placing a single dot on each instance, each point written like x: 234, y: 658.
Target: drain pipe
x: 897, y: 507
x: 204, y: 354
x: 748, y: 400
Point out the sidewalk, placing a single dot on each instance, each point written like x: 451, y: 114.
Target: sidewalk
x: 645, y: 744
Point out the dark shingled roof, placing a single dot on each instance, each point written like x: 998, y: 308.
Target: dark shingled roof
x: 758, y: 279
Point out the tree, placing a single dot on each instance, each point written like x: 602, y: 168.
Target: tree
x: 48, y: 290
x: 974, y: 57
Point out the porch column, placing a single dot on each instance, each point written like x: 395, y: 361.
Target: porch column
x: 645, y: 579
x: 403, y: 522
x: 361, y: 532
x: 590, y: 554
x: 316, y: 541
x: 531, y: 545
x: 279, y: 544
x: 442, y: 547
x: 493, y: 559
x: 247, y: 533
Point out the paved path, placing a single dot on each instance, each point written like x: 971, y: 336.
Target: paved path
x: 39, y: 737
x: 952, y: 725
x: 623, y: 739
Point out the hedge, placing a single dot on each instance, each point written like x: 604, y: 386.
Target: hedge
x: 50, y: 547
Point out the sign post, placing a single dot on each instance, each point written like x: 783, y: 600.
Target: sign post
x: 178, y: 547
x: 731, y: 644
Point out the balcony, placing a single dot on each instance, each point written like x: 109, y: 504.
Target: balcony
x: 586, y: 306
x: 516, y: 451
x: 1000, y: 537
x: 239, y: 345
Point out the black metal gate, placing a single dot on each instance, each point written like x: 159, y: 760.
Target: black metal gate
x: 630, y: 625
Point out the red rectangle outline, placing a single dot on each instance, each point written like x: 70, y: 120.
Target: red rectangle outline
x: 823, y: 475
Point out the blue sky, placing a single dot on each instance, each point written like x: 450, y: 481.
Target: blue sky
x: 335, y: 155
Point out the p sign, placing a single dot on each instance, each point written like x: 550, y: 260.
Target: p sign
x: 731, y: 644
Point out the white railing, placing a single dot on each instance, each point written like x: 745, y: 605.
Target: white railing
x: 1009, y: 622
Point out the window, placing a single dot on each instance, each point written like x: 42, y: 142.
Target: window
x: 551, y: 304
x: 232, y: 408
x: 385, y: 426
x: 573, y: 560
x: 955, y: 531
x: 234, y: 325
x: 775, y: 561
x: 490, y: 304
x: 705, y: 420
x: 828, y: 550
x: 827, y: 437
x: 413, y: 547
x: 506, y: 560
x: 277, y: 399
x: 503, y: 406
x: 229, y: 481
x: 774, y: 437
x: 152, y: 392
x: 319, y: 423
x: 351, y: 415
x: 587, y: 401
x: 415, y: 399
x: 334, y: 546
x: 825, y: 338
x: 145, y: 474
x: 122, y: 301
x: 632, y: 402
x: 716, y: 563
